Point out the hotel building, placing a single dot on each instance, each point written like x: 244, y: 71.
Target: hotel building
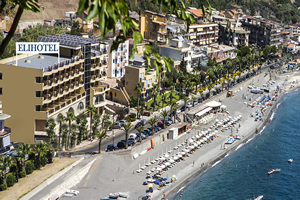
x: 37, y: 87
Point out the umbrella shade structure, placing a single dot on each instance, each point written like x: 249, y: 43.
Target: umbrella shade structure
x: 206, y: 132
x: 216, y: 131
x: 191, y: 141
x: 170, y: 177
x: 179, y: 155
x: 150, y: 180
x: 167, y: 164
x: 183, y: 153
x: 162, y: 158
x: 176, y: 157
x: 197, y: 136
x: 174, y: 176
x: 203, y: 133
x: 209, y: 130
x: 201, y: 141
x: 150, y: 185
x: 167, y: 155
x: 190, y: 127
x: 217, y: 120
x: 163, y: 166
x: 191, y: 147
x: 185, y: 150
x: 158, y: 169
x: 204, y: 139
x: 171, y: 160
x: 213, y: 134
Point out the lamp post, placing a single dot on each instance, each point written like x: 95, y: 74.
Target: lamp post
x: 113, y: 132
x: 43, y: 19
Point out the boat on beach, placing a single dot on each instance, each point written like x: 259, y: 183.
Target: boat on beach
x: 113, y: 195
x: 290, y: 160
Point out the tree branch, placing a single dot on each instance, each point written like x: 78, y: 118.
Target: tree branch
x: 12, y: 30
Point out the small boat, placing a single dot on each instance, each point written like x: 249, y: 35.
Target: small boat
x: 75, y: 192
x: 113, y: 195
x: 259, y: 197
x: 271, y: 171
x: 290, y: 160
x: 123, y: 195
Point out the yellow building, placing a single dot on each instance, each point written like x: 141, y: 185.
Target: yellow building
x: 153, y: 26
x: 37, y: 87
x: 86, y: 25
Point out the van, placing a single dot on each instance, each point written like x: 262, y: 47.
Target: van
x: 143, y: 122
x: 132, y: 135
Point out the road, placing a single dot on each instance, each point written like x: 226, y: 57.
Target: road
x: 120, y: 134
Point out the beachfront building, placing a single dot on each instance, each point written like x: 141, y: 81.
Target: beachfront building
x: 203, y: 34
x: 50, y: 85
x: 221, y: 52
x: 153, y: 27
x: 141, y: 48
x: 263, y: 31
x: 4, y: 131
x: 117, y: 59
x: 231, y: 34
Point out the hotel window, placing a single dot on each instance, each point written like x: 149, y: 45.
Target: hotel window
x: 0, y: 75
x: 126, y: 83
x: 154, y: 78
x: 0, y: 90
x: 153, y: 34
x: 37, y: 79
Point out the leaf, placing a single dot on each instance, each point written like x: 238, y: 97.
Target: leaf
x: 82, y: 6
x: 95, y: 10
x: 102, y: 19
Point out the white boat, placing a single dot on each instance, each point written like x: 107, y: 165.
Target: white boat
x: 123, y: 195
x: 113, y: 195
x: 259, y: 197
x: 290, y: 160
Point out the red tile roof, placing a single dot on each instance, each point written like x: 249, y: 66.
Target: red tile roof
x: 197, y: 12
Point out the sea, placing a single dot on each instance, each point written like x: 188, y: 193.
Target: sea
x: 243, y: 173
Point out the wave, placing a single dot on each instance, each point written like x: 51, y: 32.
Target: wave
x: 272, y: 116
x: 227, y: 155
x: 215, y: 163
x: 180, y: 189
x: 239, y: 146
x: 249, y: 140
x: 262, y: 129
x: 278, y: 105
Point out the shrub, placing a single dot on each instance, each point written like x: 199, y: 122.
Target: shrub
x: 43, y: 160
x: 23, y: 174
x: 3, y: 186
x: 10, y: 179
x: 127, y: 119
x: 29, y: 167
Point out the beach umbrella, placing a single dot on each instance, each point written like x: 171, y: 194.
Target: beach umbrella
x: 162, y: 158
x: 213, y: 134
x: 195, y: 145
x: 150, y: 185
x: 209, y: 130
x: 191, y: 140
x: 170, y: 177
x: 201, y: 141
x: 158, y: 169
x: 183, y: 153
x: 191, y: 147
x: 217, y: 120
x: 185, y: 150
x: 174, y: 176
x: 197, y: 136
x: 179, y: 155
x: 167, y: 163
x: 167, y: 156
x: 216, y: 131
x: 163, y: 166
x: 176, y: 157
x: 206, y: 132
x: 198, y: 143
x: 171, y: 160
x: 190, y: 127
x: 204, y: 139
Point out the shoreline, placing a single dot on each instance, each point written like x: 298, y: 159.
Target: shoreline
x: 250, y: 134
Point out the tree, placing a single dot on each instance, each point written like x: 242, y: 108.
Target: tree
x: 139, y: 88
x: 60, y: 120
x: 95, y: 124
x: 228, y: 82
x: 50, y: 126
x: 223, y: 84
x: 91, y: 110
x: 73, y: 129
x: 152, y: 122
x: 175, y: 109
x: 105, y: 119
x: 22, y: 5
x: 140, y: 130
x: 24, y: 149
x: 101, y: 135
x: 209, y: 89
x: 154, y: 91
x: 70, y: 117
x: 185, y: 99
x: 164, y: 114
x: 133, y: 101
x: 194, y: 98
x: 39, y: 148
x: 6, y: 162
x: 172, y: 104
x: 81, y: 122
x: 267, y: 50
x: 76, y: 29
x: 273, y: 49
x: 127, y: 128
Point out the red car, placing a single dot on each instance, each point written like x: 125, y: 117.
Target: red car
x: 160, y: 124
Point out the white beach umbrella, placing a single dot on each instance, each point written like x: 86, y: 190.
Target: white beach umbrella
x: 209, y: 130
x: 167, y: 155
x: 163, y: 166
x: 217, y: 120
x: 179, y: 155
x: 216, y: 131
x: 183, y: 153
x: 193, y: 137
x: 198, y: 142
x: 207, y: 137
x: 195, y: 145
x: 191, y: 140
x: 167, y: 164
x: 162, y: 158
x: 204, y: 139
x: 213, y: 133
x: 176, y: 157
x: 197, y: 136
x: 191, y: 147
x: 185, y: 150
x: 206, y: 132
x: 201, y: 141
x: 210, y: 135
x: 171, y: 161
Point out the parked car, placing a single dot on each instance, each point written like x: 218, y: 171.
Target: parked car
x: 111, y: 147
x: 143, y: 136
x: 178, y: 110
x: 147, y: 113
x: 195, y: 102
x: 148, y: 131
x: 182, y: 108
x: 132, y: 135
x: 189, y: 105
x: 121, y: 145
x: 117, y: 125
x: 134, y: 140
x: 200, y: 100
x: 140, y: 123
x: 160, y: 124
x: 123, y: 122
x: 158, y: 127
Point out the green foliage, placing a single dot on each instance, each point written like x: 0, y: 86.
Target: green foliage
x: 96, y: 121
x: 43, y: 160
x: 23, y: 174
x: 133, y: 101
x: 81, y: 122
x: 29, y: 167
x: 76, y: 29
x: 127, y: 118
x: 267, y: 50
x: 10, y: 179
x: 50, y: 129
x: 3, y: 186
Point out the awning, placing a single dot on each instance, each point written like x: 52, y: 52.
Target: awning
x: 203, y: 111
x: 213, y: 104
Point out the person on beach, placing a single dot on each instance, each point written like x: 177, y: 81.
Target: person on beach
x: 193, y: 163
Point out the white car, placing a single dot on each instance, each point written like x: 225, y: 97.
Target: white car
x: 250, y: 86
x: 178, y: 110
x: 189, y: 104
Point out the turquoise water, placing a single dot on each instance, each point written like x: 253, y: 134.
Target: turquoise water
x: 244, y: 173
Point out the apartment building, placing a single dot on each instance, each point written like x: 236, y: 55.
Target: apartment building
x: 230, y: 34
x: 153, y: 27
x: 221, y: 52
x: 4, y: 131
x: 263, y: 31
x: 117, y: 59
x: 50, y: 85
x: 203, y: 34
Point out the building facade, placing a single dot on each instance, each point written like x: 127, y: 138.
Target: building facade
x: 263, y: 31
x: 51, y: 85
x: 229, y: 34
x: 153, y: 27
x: 4, y: 131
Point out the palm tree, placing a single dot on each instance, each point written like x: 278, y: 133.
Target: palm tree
x: 60, y: 120
x: 101, y: 135
x: 70, y: 117
x: 154, y: 91
x: 194, y: 98
x: 38, y: 148
x: 91, y: 110
x: 209, y: 89
x: 140, y: 130
x: 139, y: 88
x: 185, y: 99
x: 172, y: 104
x: 6, y: 162
x: 172, y: 93
x: 105, y: 118
x: 228, y: 82
x: 127, y: 128
x: 164, y: 114
x: 175, y: 107
x: 73, y: 129
x: 152, y: 122
x: 95, y: 124
x: 64, y: 131
x: 24, y: 150
x: 201, y: 94
x: 50, y: 126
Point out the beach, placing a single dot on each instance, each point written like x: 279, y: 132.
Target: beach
x: 116, y: 172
